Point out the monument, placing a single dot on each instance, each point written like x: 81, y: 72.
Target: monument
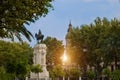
x: 39, y: 57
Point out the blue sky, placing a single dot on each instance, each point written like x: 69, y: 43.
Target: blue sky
x: 79, y: 12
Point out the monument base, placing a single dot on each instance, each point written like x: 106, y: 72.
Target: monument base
x: 39, y: 58
x: 39, y: 76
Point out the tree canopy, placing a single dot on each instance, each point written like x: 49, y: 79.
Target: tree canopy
x: 15, y: 58
x: 55, y: 50
x: 14, y: 14
x: 101, y: 39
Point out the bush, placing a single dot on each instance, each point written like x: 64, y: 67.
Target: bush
x: 116, y: 74
x: 4, y: 75
x: 90, y: 75
x: 107, y: 72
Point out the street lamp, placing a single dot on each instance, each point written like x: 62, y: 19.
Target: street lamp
x: 84, y: 60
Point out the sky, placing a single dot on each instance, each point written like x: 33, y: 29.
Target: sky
x: 79, y: 12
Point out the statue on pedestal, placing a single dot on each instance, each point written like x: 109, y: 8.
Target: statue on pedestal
x: 39, y: 58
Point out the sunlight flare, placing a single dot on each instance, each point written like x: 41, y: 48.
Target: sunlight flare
x: 64, y: 57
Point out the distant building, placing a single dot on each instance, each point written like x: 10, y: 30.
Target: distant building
x: 70, y: 62
x: 67, y: 36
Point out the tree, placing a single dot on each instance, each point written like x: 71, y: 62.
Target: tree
x: 58, y: 71
x: 101, y: 41
x: 116, y: 74
x: 15, y: 58
x: 90, y: 75
x: 107, y: 72
x: 16, y: 13
x: 74, y: 73
x: 111, y: 43
x: 55, y: 50
x: 4, y: 75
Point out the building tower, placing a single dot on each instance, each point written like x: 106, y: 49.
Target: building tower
x: 68, y: 36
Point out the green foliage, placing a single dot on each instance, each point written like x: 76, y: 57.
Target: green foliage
x: 51, y: 73
x: 116, y: 75
x: 74, y: 73
x: 15, y: 58
x: 107, y: 72
x: 58, y: 71
x: 55, y: 50
x: 16, y: 13
x: 36, y: 68
x: 4, y: 75
x: 101, y: 40
x: 90, y: 75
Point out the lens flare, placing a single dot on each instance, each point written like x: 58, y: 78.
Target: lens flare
x: 64, y: 57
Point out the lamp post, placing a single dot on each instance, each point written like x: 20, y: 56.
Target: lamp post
x: 84, y: 62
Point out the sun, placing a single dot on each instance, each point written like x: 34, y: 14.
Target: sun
x: 64, y: 57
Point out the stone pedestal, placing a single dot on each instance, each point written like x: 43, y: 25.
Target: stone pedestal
x: 39, y: 57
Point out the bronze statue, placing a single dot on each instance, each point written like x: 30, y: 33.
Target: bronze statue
x: 39, y: 36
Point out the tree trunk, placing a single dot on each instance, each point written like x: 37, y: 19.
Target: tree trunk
x: 116, y: 63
